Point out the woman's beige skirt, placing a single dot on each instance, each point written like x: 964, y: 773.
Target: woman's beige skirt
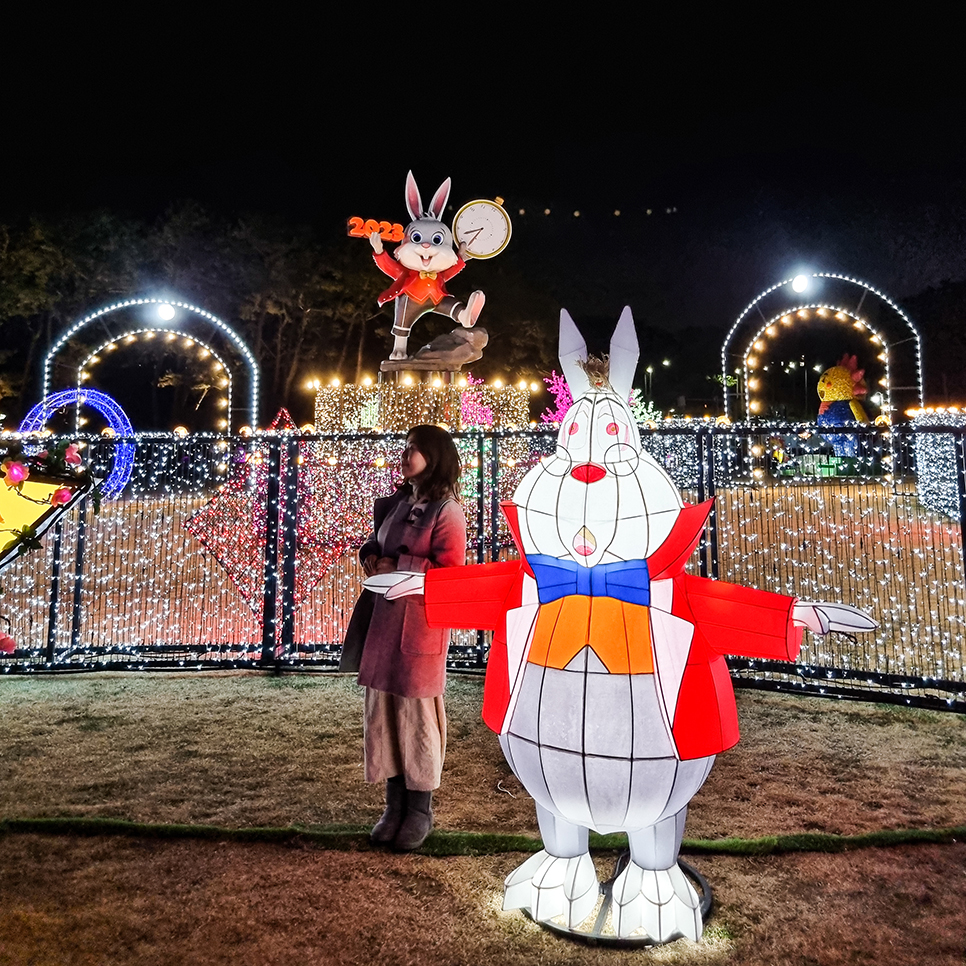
x: 404, y: 736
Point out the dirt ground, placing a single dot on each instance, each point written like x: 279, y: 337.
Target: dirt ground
x: 243, y: 750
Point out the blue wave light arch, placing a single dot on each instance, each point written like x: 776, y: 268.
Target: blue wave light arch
x: 116, y: 418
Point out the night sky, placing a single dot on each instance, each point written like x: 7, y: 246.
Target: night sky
x: 834, y: 151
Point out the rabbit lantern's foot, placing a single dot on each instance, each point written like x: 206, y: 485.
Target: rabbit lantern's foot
x: 399, y: 346
x: 548, y: 886
x: 661, y: 902
x: 471, y: 312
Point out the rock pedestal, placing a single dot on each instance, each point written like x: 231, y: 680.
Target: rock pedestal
x: 446, y: 353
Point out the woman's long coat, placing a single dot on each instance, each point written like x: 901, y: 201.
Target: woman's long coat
x: 402, y: 654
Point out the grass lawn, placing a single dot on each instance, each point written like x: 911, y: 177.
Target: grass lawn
x: 239, y: 750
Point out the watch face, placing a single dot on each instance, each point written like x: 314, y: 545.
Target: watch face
x: 484, y: 227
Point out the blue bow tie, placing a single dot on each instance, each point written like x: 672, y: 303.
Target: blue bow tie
x: 625, y: 580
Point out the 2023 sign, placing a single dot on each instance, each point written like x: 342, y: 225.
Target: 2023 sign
x: 388, y: 231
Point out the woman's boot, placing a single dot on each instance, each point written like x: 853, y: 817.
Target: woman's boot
x: 386, y: 828
x: 417, y: 823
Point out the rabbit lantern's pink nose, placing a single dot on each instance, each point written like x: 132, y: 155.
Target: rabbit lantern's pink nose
x: 588, y: 472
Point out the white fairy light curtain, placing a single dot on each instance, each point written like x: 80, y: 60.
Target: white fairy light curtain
x: 149, y: 590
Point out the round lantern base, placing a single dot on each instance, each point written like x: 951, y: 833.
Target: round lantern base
x: 597, y: 930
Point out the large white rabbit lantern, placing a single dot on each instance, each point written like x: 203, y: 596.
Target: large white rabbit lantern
x: 606, y: 681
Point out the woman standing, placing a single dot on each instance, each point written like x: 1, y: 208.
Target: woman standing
x: 403, y: 663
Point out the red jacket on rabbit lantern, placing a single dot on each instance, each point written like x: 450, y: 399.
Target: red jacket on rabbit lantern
x: 418, y: 285
x: 725, y: 618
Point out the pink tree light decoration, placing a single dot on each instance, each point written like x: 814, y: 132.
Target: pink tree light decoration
x: 472, y: 410
x: 562, y: 398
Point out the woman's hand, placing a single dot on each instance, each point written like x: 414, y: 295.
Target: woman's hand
x: 369, y: 565
x: 385, y: 565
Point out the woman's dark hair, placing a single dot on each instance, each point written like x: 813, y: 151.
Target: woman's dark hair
x: 440, y: 479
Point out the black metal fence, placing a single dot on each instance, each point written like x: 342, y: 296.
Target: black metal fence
x: 239, y: 552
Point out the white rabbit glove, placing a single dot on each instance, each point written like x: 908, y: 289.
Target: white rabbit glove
x: 821, y: 617
x: 375, y: 239
x: 400, y: 583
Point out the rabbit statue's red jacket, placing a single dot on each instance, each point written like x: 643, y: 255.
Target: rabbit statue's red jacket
x: 419, y: 286
x: 726, y: 618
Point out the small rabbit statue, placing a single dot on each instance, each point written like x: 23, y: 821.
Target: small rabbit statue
x: 421, y: 266
x: 606, y: 680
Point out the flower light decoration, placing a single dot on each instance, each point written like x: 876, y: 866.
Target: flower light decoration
x: 36, y: 489
x: 562, y: 399
x: 473, y: 411
x: 606, y: 681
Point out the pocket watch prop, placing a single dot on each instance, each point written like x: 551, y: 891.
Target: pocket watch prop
x: 839, y: 389
x: 606, y: 680
x: 425, y: 260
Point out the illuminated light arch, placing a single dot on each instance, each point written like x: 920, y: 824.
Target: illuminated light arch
x: 131, y: 334
x: 770, y: 328
x: 793, y: 302
x: 120, y: 474
x: 207, y: 317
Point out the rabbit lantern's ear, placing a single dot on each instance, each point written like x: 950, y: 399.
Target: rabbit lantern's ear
x: 624, y: 353
x: 438, y: 205
x: 414, y: 204
x: 572, y: 351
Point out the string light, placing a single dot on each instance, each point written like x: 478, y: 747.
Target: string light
x: 168, y: 570
x: 767, y: 329
x: 391, y: 407
x: 937, y: 481
x: 130, y: 336
x: 165, y: 304
x: 787, y: 289
x: 117, y: 423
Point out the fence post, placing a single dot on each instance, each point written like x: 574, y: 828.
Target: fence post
x: 480, y: 499
x: 961, y: 484
x: 710, y: 494
x: 75, y: 618
x: 289, y: 546
x: 494, y: 498
x: 54, y: 590
x: 699, y: 443
x: 480, y: 530
x: 270, y: 585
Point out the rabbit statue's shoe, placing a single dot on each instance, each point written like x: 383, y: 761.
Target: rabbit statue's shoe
x: 548, y: 886
x: 661, y: 902
x: 471, y: 312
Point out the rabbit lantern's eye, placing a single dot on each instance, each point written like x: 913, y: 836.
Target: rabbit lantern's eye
x: 573, y: 428
x: 620, y: 455
x: 416, y: 237
x: 438, y: 238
